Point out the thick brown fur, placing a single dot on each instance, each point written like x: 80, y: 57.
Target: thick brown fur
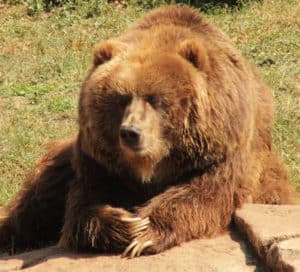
x: 203, y: 120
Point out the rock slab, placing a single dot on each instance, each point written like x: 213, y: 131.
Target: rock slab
x: 226, y: 253
x: 285, y: 255
x: 264, y: 238
x: 274, y: 232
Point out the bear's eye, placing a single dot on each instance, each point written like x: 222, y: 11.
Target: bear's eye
x: 184, y: 103
x: 153, y: 100
x: 123, y: 101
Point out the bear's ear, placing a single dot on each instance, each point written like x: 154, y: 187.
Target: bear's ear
x: 195, y: 53
x: 106, y: 50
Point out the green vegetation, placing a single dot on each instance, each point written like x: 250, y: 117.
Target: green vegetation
x: 44, y: 57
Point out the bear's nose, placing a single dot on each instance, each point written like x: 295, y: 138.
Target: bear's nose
x: 130, y: 136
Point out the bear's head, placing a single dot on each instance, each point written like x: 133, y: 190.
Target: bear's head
x: 150, y: 111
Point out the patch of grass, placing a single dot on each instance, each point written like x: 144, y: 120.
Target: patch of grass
x: 45, y: 56
x: 43, y: 60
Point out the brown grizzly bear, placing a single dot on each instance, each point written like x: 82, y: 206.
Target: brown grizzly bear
x: 174, y: 135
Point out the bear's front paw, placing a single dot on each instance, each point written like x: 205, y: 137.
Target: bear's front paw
x: 111, y: 229
x: 144, y: 239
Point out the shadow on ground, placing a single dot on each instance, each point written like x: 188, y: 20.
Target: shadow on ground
x: 228, y: 252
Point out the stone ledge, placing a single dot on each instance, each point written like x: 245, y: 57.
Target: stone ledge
x: 269, y: 229
x: 226, y: 253
x: 273, y: 232
x: 285, y: 255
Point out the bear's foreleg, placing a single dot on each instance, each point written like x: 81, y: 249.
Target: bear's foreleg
x: 99, y: 228
x: 202, y: 207
x: 91, y: 223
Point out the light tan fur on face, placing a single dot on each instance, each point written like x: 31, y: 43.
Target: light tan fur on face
x: 151, y: 148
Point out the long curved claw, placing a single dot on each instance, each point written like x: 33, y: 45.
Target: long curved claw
x: 138, y: 227
x: 141, y: 221
x: 136, y: 248
x: 145, y: 245
x: 132, y: 245
x: 131, y: 219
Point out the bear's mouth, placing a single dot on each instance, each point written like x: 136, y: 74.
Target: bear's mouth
x: 132, y: 152
x: 139, y: 160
